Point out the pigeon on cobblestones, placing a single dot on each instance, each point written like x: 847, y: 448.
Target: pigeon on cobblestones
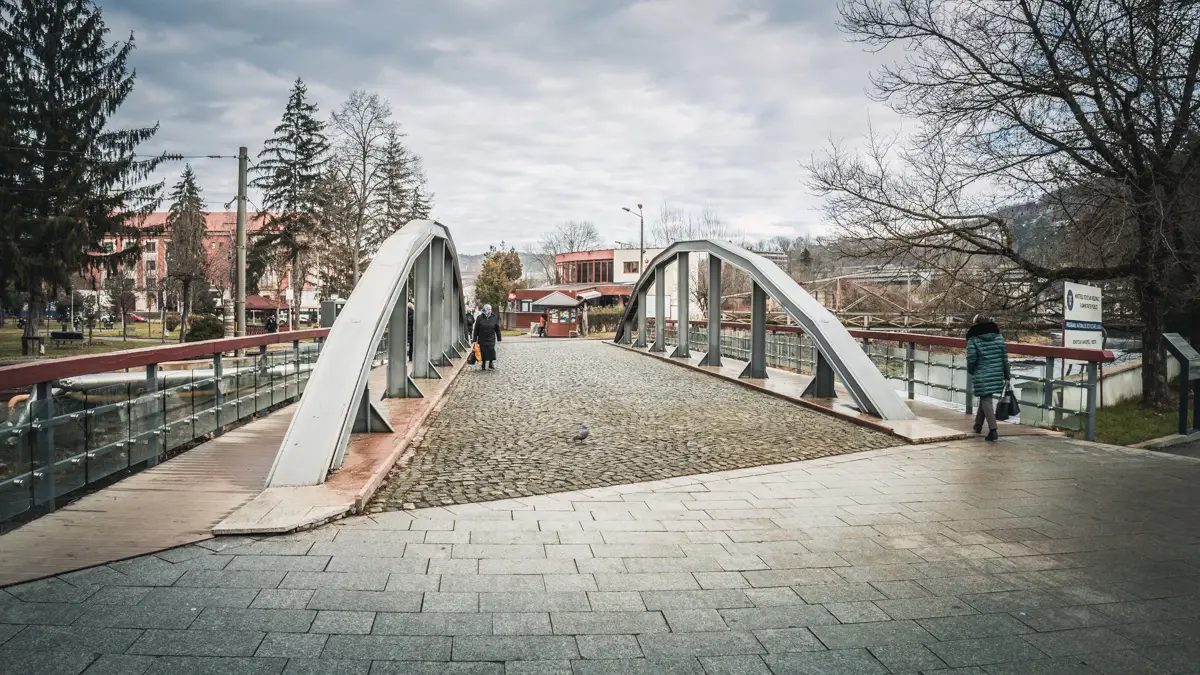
x: 583, y: 433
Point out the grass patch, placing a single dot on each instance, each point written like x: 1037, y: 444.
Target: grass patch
x: 10, y: 346
x: 1129, y: 423
x: 513, y: 333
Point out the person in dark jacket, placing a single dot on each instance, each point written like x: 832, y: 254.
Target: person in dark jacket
x: 410, y: 325
x: 487, y: 334
x: 272, y: 325
x: 987, y: 363
x: 470, y: 319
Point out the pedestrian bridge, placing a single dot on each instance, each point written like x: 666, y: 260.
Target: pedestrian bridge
x: 283, y: 432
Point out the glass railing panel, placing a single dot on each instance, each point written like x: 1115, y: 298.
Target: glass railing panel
x: 66, y: 435
x: 146, y: 420
x: 108, y: 430
x: 16, y: 464
x: 178, y: 401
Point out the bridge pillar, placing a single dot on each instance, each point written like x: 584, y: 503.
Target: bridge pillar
x: 757, y: 368
x: 422, y: 368
x: 641, y: 318
x: 453, y: 311
x: 713, y: 357
x: 660, y: 309
x: 437, y: 303
x: 683, y: 327
x: 399, y: 384
x: 821, y: 385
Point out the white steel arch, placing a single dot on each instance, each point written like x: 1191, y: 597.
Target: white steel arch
x: 335, y: 398
x: 858, y: 374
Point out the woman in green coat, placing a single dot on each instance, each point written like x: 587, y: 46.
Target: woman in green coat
x: 987, y: 363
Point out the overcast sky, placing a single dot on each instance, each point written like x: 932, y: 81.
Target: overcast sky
x: 526, y: 112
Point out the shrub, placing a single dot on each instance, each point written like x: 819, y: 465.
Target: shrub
x: 206, y: 327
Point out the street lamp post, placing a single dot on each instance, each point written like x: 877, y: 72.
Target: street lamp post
x: 641, y: 236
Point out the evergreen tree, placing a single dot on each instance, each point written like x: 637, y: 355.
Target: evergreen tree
x: 402, y: 195
x: 187, y: 260
x: 289, y: 172
x: 67, y: 180
x: 500, y: 275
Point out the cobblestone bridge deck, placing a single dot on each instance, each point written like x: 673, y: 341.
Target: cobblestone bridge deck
x: 508, y: 432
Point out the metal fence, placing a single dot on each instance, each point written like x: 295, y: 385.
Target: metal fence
x: 934, y: 368
x: 87, y: 422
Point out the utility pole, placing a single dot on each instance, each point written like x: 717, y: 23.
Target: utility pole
x: 641, y: 240
x: 239, y: 297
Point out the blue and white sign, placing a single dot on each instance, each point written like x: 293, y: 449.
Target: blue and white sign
x: 1082, y: 317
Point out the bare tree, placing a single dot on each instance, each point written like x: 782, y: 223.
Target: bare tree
x: 678, y: 225
x: 1087, y: 107
x: 567, y: 237
x: 362, y: 129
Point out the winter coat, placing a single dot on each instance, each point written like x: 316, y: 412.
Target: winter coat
x: 987, y: 359
x: 470, y: 319
x: 410, y: 324
x: 487, y: 330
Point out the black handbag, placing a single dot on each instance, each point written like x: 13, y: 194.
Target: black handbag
x: 471, y: 357
x: 1008, y: 406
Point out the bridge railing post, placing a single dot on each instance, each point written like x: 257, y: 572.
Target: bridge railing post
x: 218, y: 392
x: 910, y: 369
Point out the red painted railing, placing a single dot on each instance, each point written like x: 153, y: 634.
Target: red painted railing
x: 27, y: 374
x: 1095, y: 355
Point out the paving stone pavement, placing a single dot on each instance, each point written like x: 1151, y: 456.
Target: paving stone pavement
x: 508, y: 433
x: 1036, y: 555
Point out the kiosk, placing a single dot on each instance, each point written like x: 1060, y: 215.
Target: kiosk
x: 561, y: 312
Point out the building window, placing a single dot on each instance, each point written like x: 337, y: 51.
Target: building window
x: 525, y: 305
x: 150, y: 247
x: 151, y: 265
x: 630, y: 267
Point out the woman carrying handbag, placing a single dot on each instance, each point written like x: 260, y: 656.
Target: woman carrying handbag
x: 987, y: 364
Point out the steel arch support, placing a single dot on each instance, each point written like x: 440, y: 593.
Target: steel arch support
x: 660, y: 308
x: 757, y: 368
x: 682, y: 325
x: 713, y: 357
x: 320, y: 430
x: 858, y: 374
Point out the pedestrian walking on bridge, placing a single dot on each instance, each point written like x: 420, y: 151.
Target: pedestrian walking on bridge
x: 487, y: 334
x: 987, y: 363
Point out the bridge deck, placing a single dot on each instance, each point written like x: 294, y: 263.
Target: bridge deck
x: 187, y: 497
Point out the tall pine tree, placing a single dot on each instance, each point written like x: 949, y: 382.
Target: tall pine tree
x: 69, y: 181
x: 289, y: 174
x: 402, y: 195
x: 187, y: 260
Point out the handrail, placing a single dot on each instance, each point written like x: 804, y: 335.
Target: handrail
x: 320, y: 429
x: 1051, y: 351
x: 29, y: 374
x: 858, y: 374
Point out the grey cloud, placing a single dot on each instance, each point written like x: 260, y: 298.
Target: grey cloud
x: 527, y: 112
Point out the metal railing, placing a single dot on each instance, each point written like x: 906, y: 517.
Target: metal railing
x: 86, y: 418
x: 935, y: 367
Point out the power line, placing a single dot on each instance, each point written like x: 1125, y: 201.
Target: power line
x: 175, y: 156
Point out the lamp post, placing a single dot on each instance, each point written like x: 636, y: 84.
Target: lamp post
x: 641, y: 235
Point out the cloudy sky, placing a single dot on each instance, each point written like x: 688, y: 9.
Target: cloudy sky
x: 526, y: 112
